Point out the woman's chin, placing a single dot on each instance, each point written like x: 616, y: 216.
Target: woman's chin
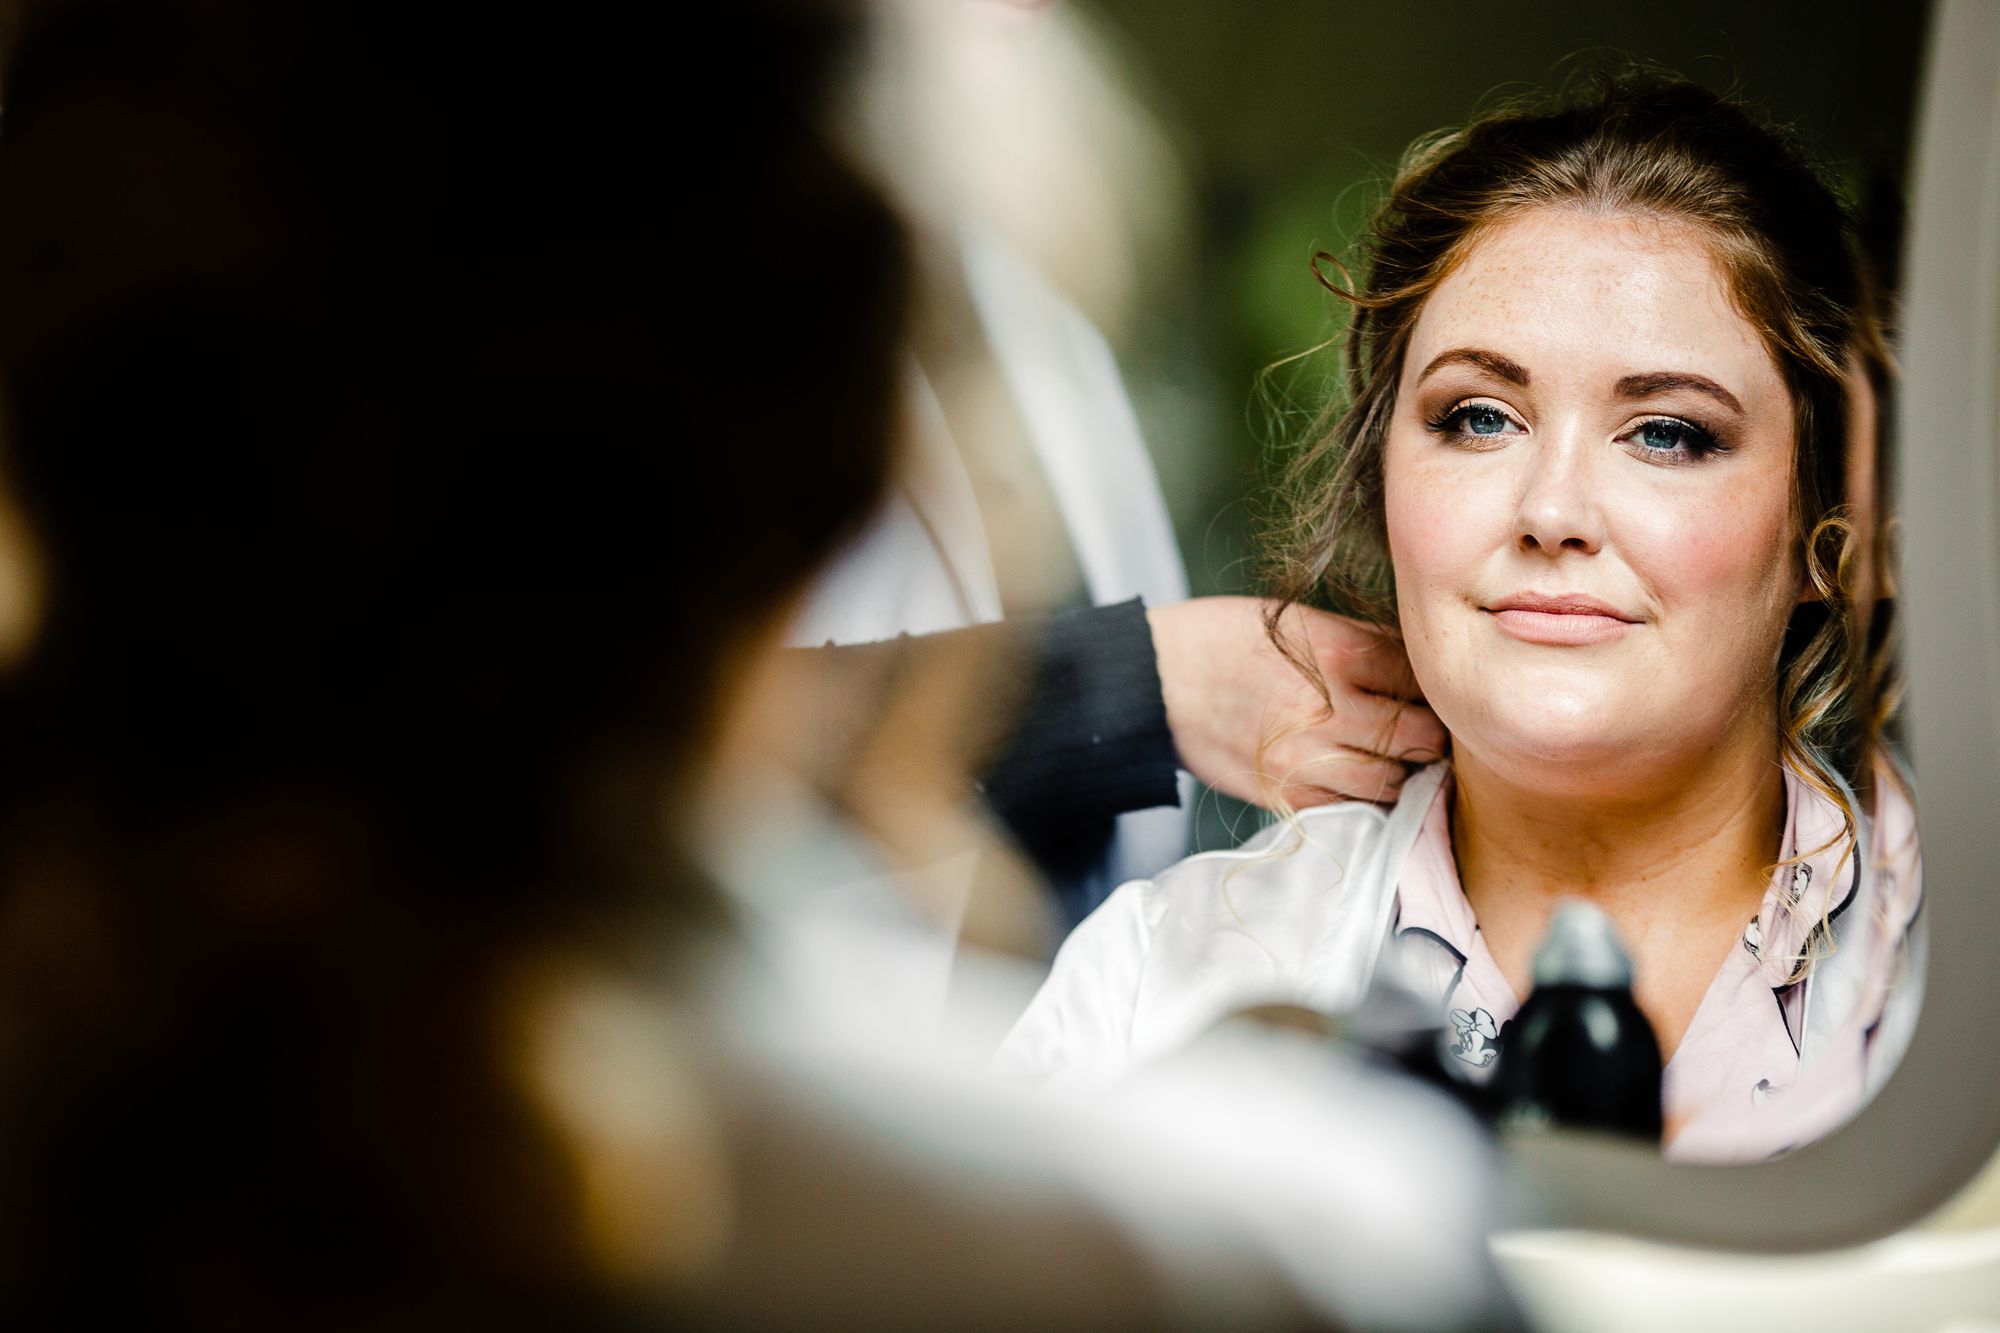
x: 1572, y: 733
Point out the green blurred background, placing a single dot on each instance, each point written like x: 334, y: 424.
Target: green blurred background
x: 1287, y: 116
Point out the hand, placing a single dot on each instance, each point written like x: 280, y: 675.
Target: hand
x: 1248, y: 723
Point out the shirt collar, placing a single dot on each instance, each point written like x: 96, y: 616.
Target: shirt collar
x: 1815, y: 880
x: 1817, y: 876
x: 1430, y: 899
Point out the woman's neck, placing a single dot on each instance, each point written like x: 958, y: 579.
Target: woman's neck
x: 1678, y: 860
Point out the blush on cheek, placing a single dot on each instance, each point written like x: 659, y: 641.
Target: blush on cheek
x: 1739, y: 553
x: 1723, y: 568
x: 1421, y: 543
x: 1422, y: 528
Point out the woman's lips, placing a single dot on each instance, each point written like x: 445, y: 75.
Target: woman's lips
x: 1559, y: 627
x: 1558, y: 621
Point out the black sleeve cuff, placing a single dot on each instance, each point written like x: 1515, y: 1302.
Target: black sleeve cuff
x: 1092, y: 738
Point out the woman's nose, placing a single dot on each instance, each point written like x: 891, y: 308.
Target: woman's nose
x: 1559, y: 508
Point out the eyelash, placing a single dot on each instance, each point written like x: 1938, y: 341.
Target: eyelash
x: 1699, y: 440
x: 1451, y: 422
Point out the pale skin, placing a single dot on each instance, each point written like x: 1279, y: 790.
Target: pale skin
x: 1583, y: 416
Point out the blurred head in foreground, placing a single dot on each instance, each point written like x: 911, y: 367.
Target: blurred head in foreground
x: 417, y: 421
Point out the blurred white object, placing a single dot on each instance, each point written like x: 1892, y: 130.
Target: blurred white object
x: 1022, y: 120
x: 1006, y: 141
x: 852, y: 1164
x: 1577, y: 1282
x: 927, y: 563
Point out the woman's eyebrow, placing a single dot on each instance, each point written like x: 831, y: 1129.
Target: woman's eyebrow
x: 1661, y: 381
x: 1492, y: 362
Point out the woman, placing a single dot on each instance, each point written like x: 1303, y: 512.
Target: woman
x: 1591, y: 466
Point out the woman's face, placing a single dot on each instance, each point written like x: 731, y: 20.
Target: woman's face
x: 1588, y: 484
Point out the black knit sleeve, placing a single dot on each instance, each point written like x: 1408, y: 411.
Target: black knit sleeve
x: 1091, y: 740
x: 1069, y: 728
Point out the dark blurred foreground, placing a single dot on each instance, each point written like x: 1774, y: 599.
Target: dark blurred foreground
x: 417, y: 429
x: 390, y: 400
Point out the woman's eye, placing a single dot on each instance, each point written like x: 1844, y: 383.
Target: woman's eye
x: 1475, y: 421
x: 1671, y: 438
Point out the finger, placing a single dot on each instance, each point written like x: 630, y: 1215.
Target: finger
x: 1364, y: 657
x: 1391, y: 728
x: 1340, y: 775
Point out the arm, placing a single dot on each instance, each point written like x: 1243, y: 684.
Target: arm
x: 1091, y: 738
x: 1070, y: 719
x: 1123, y: 693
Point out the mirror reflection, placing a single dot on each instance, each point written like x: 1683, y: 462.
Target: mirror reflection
x: 1567, y: 679
x: 1561, y: 699
x: 1587, y: 467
